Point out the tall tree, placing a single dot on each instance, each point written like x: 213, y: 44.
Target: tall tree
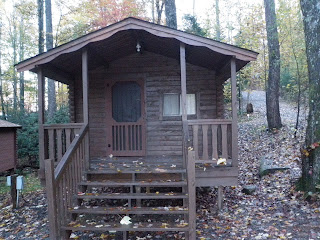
x: 1, y: 92
x: 217, y: 25
x: 159, y: 8
x: 40, y: 26
x: 21, y: 57
x: 272, y: 98
x: 171, y: 13
x: 52, y: 104
x: 311, y: 160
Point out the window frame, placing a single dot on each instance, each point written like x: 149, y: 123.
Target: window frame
x: 192, y: 115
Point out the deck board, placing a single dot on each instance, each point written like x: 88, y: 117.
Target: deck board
x: 207, y: 172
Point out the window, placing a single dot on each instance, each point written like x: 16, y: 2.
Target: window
x: 172, y: 104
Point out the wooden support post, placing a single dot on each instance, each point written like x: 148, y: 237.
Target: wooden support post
x: 41, y: 106
x: 191, y: 168
x: 220, y: 197
x: 85, y: 85
x: 234, y: 113
x: 51, y: 198
x: 184, y: 101
x: 13, y: 190
x: 85, y: 89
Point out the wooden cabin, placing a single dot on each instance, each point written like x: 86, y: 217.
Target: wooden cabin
x: 147, y: 114
x: 8, y: 145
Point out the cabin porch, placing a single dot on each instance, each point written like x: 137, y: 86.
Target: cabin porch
x: 155, y: 147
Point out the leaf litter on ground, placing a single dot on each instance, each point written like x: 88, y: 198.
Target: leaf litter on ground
x: 275, y: 210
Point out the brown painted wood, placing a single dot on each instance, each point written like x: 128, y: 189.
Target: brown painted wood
x: 59, y: 144
x: 85, y: 85
x: 234, y: 113
x: 51, y: 198
x: 192, y: 195
x: 183, y: 73
x: 205, y: 141
x: 13, y: 190
x: 51, y: 144
x: 41, y: 107
x: 68, y: 137
x: 220, y: 197
x: 214, y: 130
x: 131, y: 23
x: 126, y: 138
x: 196, y: 140
x: 224, y: 142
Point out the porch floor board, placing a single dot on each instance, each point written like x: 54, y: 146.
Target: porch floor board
x: 207, y: 173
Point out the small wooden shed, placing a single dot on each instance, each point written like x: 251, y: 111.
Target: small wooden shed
x: 8, y: 145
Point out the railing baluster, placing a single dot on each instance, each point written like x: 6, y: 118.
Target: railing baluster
x: 205, y: 154
x: 68, y: 137
x: 214, y: 129
x: 59, y: 144
x: 195, y: 129
x: 224, y: 141
x: 51, y: 144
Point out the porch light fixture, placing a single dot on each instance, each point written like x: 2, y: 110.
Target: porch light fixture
x: 138, y: 47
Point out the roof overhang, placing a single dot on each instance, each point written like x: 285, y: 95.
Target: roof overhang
x: 119, y: 39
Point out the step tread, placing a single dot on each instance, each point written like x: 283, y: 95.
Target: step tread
x: 128, y: 210
x: 111, y: 226
x: 146, y: 183
x: 134, y: 170
x: 169, y: 195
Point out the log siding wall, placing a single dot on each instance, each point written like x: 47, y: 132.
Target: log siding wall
x: 160, y: 75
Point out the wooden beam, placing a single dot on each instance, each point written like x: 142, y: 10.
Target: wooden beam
x: 57, y: 74
x: 184, y: 100
x: 85, y: 85
x: 41, y: 109
x: 234, y: 113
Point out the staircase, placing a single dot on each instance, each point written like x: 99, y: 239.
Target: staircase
x: 155, y: 198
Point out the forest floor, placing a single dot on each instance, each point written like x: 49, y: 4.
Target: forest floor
x: 275, y: 210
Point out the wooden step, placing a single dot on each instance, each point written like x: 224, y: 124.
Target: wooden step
x: 134, y: 183
x: 134, y: 227
x: 128, y: 210
x: 131, y: 196
x: 136, y: 170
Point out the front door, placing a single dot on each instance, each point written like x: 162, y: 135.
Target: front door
x: 126, y: 119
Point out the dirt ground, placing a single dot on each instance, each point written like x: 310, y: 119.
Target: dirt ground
x: 275, y: 210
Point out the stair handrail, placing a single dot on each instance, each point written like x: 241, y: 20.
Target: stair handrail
x: 62, y: 181
x: 67, y: 156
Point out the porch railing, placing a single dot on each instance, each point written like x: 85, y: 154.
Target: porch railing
x: 62, y: 181
x: 211, y: 138
x: 59, y: 138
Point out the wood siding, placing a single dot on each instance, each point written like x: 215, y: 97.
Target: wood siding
x: 8, y: 156
x: 160, y: 75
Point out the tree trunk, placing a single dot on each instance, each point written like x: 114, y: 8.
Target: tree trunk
x: 40, y: 25
x: 159, y: 10
x: 14, y: 77
x: 218, y: 27
x: 21, y: 57
x: 171, y: 13
x: 272, y: 98
x: 311, y: 160
x: 52, y: 104
x: 1, y: 92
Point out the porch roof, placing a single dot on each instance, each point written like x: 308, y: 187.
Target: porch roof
x: 120, y: 39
